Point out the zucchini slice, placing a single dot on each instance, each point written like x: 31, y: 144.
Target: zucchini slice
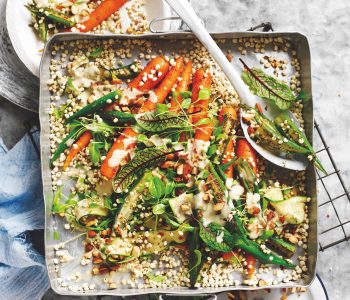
x: 292, y: 209
x: 90, y: 212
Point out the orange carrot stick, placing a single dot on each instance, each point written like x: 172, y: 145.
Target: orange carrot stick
x: 204, y: 132
x: 101, y: 13
x: 79, y: 145
x: 163, y: 89
x: 245, y: 150
x: 151, y: 75
x: 231, y: 113
x: 250, y: 265
x: 201, y: 80
x: 110, y: 170
x: 113, y: 161
x: 228, y: 156
x: 228, y: 111
x: 182, y: 86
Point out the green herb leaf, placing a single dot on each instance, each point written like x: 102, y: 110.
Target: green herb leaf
x: 170, y: 186
x: 56, y: 235
x: 194, y: 257
x: 161, y: 108
x: 198, y: 259
x: 186, y: 95
x: 156, y: 278
x: 155, y: 122
x: 212, y: 150
x: 215, y: 237
x: 142, y: 161
x: 96, y: 53
x: 94, y: 152
x: 268, y: 87
x: 204, y: 94
x: 186, y: 103
x: 203, y: 121
x: 157, y: 188
x: 158, y: 209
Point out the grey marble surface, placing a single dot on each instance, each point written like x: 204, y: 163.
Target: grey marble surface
x: 326, y: 24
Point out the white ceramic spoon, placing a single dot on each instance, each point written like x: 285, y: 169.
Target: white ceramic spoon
x: 188, y: 15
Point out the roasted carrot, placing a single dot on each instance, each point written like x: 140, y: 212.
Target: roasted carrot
x: 79, y: 145
x: 228, y: 256
x: 151, y: 75
x: 245, y: 150
x: 228, y: 111
x: 160, y: 93
x: 199, y: 107
x: 251, y: 260
x: 228, y: 156
x: 164, y: 88
x: 204, y: 132
x: 101, y: 13
x: 124, y: 142
x: 182, y: 86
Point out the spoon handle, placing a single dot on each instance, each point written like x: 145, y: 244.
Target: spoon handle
x: 186, y: 12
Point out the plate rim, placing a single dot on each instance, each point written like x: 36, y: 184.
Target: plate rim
x: 15, y: 41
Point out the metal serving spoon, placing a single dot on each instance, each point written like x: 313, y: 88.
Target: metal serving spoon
x: 188, y: 15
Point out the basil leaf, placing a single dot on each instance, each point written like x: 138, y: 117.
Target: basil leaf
x: 158, y: 209
x: 198, y: 259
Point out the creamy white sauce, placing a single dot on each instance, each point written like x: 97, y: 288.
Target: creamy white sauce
x: 157, y: 141
x: 229, y: 183
x: 202, y: 164
x: 129, y: 141
x: 252, y: 199
x: 117, y: 157
x: 153, y: 97
x: 220, y: 237
x: 236, y: 192
x: 42, y: 3
x: 201, y: 147
x: 129, y: 94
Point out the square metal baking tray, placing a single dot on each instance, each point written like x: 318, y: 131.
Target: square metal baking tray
x: 168, y: 42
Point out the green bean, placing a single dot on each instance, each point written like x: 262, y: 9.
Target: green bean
x: 95, y: 106
x: 73, y: 135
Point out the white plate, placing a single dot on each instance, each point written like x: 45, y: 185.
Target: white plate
x: 26, y: 43
x: 316, y: 291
